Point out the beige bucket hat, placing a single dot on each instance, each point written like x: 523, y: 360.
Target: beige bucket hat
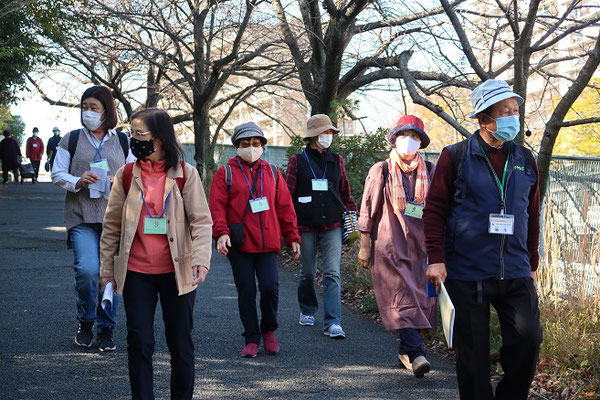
x: 318, y: 124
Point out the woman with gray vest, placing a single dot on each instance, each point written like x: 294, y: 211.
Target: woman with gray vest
x: 316, y: 178
x: 86, y: 160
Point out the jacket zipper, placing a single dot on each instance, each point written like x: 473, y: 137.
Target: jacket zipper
x: 502, y: 199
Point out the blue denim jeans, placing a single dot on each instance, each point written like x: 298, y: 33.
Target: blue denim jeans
x: 85, y: 239
x: 330, y: 242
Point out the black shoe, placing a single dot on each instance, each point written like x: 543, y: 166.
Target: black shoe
x: 105, y: 340
x: 85, y: 336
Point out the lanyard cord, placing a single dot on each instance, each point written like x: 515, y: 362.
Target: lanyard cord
x: 248, y: 182
x: 501, y: 185
x: 164, y: 208
x: 98, y: 154
x: 311, y: 168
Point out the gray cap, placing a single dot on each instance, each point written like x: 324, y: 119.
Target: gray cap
x: 247, y: 130
x: 55, y: 129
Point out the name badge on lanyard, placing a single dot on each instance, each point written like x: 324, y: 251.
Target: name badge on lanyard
x: 502, y: 224
x: 101, y: 163
x: 155, y: 224
x: 414, y: 210
x: 259, y: 205
x: 318, y: 185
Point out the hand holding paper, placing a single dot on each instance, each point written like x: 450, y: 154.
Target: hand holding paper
x: 107, y: 297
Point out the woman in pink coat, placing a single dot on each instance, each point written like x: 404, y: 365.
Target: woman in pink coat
x: 392, y: 237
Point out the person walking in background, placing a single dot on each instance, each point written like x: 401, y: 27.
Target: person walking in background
x: 95, y: 147
x: 10, y: 153
x: 317, y: 180
x: 34, y: 150
x: 251, y: 208
x: 392, y: 238
x: 156, y: 243
x: 52, y: 146
x: 482, y: 227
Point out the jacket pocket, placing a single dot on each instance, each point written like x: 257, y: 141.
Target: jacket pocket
x: 185, y: 270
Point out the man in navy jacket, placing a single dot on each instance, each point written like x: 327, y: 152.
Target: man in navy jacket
x: 482, y: 234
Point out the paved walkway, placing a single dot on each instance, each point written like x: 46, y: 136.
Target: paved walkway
x: 38, y: 359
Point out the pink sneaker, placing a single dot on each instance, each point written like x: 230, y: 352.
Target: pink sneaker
x: 270, y: 343
x: 250, y: 351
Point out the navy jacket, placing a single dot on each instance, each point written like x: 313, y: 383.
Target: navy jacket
x: 471, y: 252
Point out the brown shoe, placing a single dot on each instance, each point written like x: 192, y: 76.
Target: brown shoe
x: 420, y: 366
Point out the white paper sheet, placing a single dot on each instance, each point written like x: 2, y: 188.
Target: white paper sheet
x: 107, y: 297
x: 447, y: 311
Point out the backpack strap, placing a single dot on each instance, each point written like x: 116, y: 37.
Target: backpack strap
x: 275, y: 172
x: 386, y: 171
x: 228, y: 178
x: 124, y: 143
x: 457, y: 154
x: 73, y: 139
x: 181, y: 181
x: 128, y: 177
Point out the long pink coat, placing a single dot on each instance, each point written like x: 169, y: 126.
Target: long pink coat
x: 398, y: 255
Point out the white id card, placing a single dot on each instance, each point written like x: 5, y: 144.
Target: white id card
x: 319, y: 185
x: 259, y: 205
x: 100, y: 164
x: 502, y: 224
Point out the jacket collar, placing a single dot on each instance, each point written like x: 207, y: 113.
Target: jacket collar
x: 327, y: 155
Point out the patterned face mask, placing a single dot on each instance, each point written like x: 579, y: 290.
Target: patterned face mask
x: 141, y: 148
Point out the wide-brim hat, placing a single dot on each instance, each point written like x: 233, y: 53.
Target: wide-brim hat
x: 318, y: 124
x: 491, y: 92
x: 408, y: 123
x: 247, y: 130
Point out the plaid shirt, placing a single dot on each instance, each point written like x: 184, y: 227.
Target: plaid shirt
x: 290, y: 178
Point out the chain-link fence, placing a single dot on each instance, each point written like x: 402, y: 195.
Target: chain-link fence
x: 570, y: 240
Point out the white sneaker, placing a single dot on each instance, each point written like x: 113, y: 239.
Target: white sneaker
x: 306, y: 320
x: 335, y: 332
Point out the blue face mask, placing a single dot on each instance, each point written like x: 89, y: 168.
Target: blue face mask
x: 507, y: 128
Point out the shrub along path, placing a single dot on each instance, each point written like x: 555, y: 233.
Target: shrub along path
x: 39, y: 360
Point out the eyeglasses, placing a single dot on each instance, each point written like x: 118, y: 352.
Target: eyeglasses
x: 141, y: 135
x: 246, y: 144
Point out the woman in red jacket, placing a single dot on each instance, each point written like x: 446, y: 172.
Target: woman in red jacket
x: 251, y: 208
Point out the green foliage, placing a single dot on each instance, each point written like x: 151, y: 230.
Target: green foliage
x: 14, y: 123
x: 360, y: 153
x: 24, y: 37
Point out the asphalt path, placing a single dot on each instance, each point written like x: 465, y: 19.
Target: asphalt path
x: 39, y: 360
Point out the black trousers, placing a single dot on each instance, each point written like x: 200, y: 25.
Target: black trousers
x: 140, y: 295
x: 5, y: 171
x: 245, y: 267
x: 516, y: 303
x: 36, y: 168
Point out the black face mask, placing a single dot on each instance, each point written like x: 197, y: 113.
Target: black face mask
x: 141, y: 148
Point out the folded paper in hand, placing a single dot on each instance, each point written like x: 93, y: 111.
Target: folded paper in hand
x: 447, y: 311
x: 107, y: 297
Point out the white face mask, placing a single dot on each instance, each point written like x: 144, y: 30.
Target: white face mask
x: 35, y: 134
x: 91, y: 119
x: 250, y: 154
x: 407, y: 146
x: 324, y: 140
